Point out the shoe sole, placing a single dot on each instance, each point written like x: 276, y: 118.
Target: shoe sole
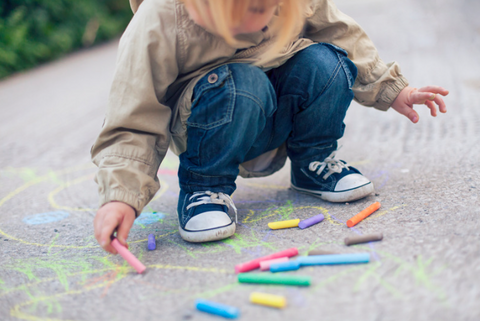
x: 340, y: 197
x: 215, y: 234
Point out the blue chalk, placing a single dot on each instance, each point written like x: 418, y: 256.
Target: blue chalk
x: 217, y: 308
x: 334, y: 259
x: 285, y: 266
x: 152, y: 245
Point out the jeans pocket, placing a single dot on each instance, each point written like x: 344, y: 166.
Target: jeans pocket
x: 213, y: 100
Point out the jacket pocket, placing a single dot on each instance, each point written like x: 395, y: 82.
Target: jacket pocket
x: 213, y: 100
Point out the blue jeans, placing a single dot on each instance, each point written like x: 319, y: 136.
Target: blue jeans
x: 240, y: 112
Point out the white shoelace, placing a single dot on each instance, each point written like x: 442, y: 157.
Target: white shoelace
x: 213, y: 198
x: 333, y: 165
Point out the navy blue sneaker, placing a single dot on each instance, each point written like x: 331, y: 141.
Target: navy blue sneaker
x: 203, y: 216
x: 331, y: 180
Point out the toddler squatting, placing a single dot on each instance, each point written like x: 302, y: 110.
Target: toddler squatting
x: 234, y: 87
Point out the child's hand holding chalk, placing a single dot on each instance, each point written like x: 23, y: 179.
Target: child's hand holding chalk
x: 111, y: 217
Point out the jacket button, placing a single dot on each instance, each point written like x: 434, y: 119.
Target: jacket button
x: 212, y: 78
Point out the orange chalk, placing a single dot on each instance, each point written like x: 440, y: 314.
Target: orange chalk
x: 363, y: 214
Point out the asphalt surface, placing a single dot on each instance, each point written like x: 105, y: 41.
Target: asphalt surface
x: 426, y: 177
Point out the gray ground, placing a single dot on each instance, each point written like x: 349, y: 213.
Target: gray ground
x: 426, y: 178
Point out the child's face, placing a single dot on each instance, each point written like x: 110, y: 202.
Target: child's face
x: 253, y: 21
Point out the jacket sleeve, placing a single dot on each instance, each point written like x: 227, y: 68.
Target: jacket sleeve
x: 377, y: 84
x: 135, y: 135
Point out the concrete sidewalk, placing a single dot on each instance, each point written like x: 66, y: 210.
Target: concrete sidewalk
x: 426, y: 177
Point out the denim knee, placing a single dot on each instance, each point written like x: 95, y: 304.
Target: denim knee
x: 318, y: 68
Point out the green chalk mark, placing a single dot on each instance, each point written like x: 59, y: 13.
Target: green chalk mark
x: 240, y: 242
x: 211, y: 293
x: 54, y: 177
x: 419, y: 273
x: 390, y: 288
x: 286, y: 210
x: 183, y: 248
x: 53, y: 243
x: 336, y: 276
x: 312, y: 246
x: 27, y: 174
x: 366, y: 275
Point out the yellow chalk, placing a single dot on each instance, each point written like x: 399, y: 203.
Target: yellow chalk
x: 283, y: 224
x: 270, y: 300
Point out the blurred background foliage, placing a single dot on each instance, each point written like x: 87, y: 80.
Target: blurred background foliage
x: 36, y: 31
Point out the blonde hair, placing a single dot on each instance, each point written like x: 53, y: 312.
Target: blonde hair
x: 227, y: 14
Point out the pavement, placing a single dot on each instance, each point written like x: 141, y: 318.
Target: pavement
x: 426, y: 177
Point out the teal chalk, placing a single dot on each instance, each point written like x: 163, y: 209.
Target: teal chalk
x: 334, y: 259
x: 223, y: 310
x: 285, y: 266
x: 269, y: 278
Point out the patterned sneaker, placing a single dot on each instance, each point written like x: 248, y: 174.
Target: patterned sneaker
x: 203, y: 216
x: 332, y: 180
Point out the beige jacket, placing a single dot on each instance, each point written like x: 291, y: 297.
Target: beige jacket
x: 162, y: 55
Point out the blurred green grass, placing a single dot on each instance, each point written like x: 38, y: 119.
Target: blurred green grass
x: 37, y: 31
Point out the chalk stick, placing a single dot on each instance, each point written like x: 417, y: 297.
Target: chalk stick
x: 223, y: 310
x: 255, y: 264
x: 129, y: 257
x: 320, y: 252
x: 334, y: 259
x: 363, y: 238
x: 285, y: 266
x: 363, y: 214
x: 152, y: 244
x: 283, y: 224
x: 311, y: 221
x: 265, y: 265
x: 271, y: 300
x: 267, y: 278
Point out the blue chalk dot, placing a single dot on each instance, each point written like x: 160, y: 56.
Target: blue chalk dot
x: 44, y: 218
x: 148, y: 218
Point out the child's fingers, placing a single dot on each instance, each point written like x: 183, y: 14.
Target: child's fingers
x: 407, y: 111
x: 109, y: 225
x: 418, y: 97
x: 124, y: 229
x: 441, y: 104
x: 433, y: 109
x: 434, y: 89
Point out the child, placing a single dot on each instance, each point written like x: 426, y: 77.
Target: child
x: 234, y: 87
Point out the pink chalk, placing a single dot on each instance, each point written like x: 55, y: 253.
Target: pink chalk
x: 255, y: 264
x: 129, y: 257
x: 265, y: 265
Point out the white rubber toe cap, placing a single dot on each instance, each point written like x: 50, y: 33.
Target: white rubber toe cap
x: 208, y: 220
x: 350, y: 182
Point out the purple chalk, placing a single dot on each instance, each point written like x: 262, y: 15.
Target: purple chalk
x: 310, y: 221
x: 152, y: 245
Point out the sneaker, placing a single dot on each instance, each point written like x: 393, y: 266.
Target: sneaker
x: 203, y: 216
x: 332, y: 180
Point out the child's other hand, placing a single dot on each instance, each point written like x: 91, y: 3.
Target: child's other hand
x: 429, y: 96
x: 110, y: 217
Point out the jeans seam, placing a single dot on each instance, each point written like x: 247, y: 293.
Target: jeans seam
x: 332, y: 77
x: 211, y: 176
x: 254, y: 98
x: 347, y: 72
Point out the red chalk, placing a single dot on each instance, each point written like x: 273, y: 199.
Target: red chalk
x: 255, y: 264
x: 129, y: 257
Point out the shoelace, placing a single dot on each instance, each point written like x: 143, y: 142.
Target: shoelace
x: 213, y: 198
x: 333, y: 165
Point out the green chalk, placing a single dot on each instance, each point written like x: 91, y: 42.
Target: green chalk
x: 274, y: 279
